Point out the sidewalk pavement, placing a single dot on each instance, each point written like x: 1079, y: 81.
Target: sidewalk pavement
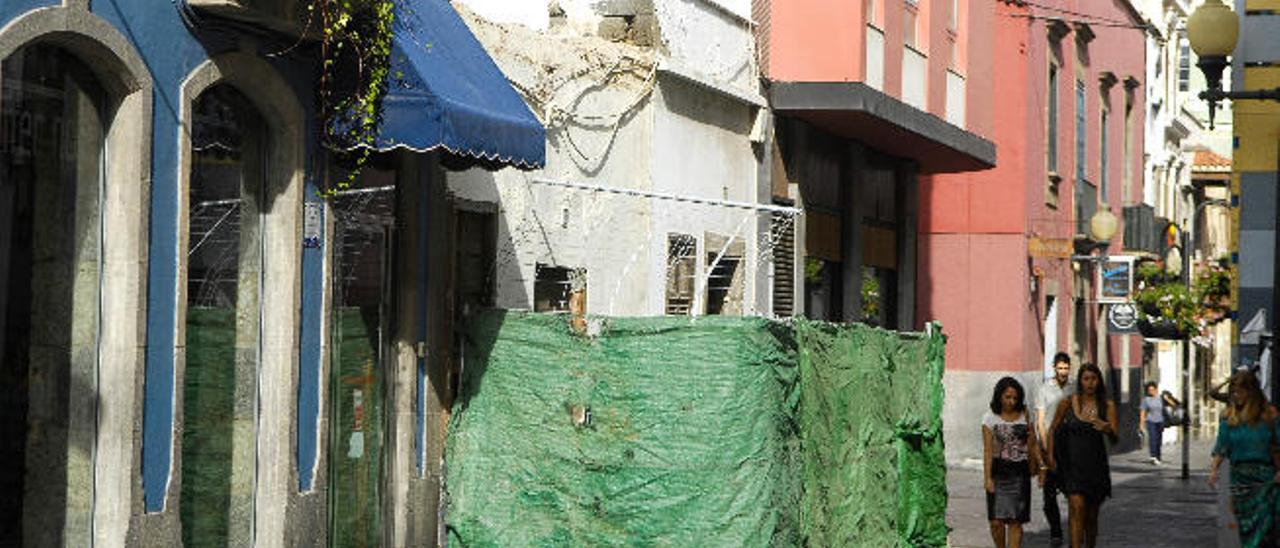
x: 1151, y: 506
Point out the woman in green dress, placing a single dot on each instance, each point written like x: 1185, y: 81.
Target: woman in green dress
x: 1248, y: 437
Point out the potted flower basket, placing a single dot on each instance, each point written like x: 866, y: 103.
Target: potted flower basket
x: 1167, y: 309
x: 1159, y: 328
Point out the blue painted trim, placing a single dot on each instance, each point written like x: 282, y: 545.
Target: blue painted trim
x: 310, y: 357
x: 162, y: 307
x: 424, y: 202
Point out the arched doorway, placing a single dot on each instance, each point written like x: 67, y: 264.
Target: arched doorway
x: 53, y: 119
x: 223, y: 318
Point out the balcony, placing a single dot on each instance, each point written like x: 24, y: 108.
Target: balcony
x: 1140, y: 229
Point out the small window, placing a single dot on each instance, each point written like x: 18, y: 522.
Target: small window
x: 1052, y: 136
x: 911, y: 10
x: 1102, y: 157
x: 726, y: 277
x: 1127, y: 179
x: 682, y: 264
x: 1184, y: 66
x: 724, y: 286
x: 553, y: 285
x: 1081, y: 131
x: 784, y: 268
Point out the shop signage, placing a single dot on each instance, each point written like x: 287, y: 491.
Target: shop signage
x: 1122, y: 318
x: 312, y: 224
x: 1115, y: 279
x: 1050, y: 247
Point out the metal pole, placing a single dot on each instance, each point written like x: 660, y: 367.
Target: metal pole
x: 1186, y: 359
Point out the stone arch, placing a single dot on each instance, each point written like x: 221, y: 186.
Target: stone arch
x: 280, y: 297
x: 116, y: 444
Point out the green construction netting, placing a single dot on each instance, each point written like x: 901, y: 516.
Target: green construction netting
x: 871, y: 432
x: 355, y: 450
x: 708, y: 432
x: 208, y: 409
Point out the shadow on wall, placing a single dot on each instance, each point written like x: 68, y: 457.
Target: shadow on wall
x: 476, y: 258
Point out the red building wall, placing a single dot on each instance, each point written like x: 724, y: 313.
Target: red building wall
x: 975, y: 267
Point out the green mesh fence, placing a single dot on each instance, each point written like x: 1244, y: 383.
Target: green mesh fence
x: 714, y: 432
x: 355, y: 450
x: 209, y: 385
x: 871, y: 429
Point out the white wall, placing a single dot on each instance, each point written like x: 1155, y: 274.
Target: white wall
x: 614, y: 121
x: 702, y: 150
x: 531, y: 13
x: 713, y: 38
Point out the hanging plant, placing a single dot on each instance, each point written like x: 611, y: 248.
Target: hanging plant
x: 355, y: 56
x: 1168, y: 309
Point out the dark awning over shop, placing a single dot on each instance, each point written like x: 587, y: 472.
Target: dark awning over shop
x: 856, y: 111
x: 446, y: 92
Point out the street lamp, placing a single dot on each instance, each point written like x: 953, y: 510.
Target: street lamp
x: 1213, y: 30
x: 1188, y: 241
x: 1102, y: 227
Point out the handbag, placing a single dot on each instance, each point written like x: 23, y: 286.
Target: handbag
x: 1174, y: 416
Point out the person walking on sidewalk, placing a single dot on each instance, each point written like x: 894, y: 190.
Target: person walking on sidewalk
x: 1009, y: 453
x: 1078, y: 451
x: 1248, y: 437
x: 1151, y: 416
x: 1051, y: 394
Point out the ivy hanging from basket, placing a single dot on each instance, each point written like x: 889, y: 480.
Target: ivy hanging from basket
x: 1164, y: 300
x: 355, y: 56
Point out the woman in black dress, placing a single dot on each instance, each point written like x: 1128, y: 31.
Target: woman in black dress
x: 1078, y: 452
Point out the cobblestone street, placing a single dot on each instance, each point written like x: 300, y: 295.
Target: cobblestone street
x: 1150, y: 507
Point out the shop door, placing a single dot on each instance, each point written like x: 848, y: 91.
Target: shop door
x: 360, y: 325
x: 224, y: 273
x: 53, y: 121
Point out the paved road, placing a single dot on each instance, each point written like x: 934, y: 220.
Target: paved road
x: 1151, y: 507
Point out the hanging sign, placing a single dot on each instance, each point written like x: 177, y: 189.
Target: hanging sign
x: 1115, y: 279
x: 1122, y: 318
x: 1049, y: 247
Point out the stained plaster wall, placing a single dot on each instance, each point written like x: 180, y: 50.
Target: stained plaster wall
x: 671, y: 136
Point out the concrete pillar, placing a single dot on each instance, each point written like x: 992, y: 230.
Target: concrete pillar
x: 402, y: 373
x: 908, y: 213
x: 851, y: 201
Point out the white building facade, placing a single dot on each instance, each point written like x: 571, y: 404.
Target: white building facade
x: 1178, y: 135
x: 648, y: 202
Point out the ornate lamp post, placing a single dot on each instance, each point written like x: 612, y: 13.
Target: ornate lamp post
x: 1188, y: 243
x: 1213, y: 30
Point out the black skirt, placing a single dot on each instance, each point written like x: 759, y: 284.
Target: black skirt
x: 1012, y: 499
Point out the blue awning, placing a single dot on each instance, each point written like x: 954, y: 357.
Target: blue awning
x: 444, y: 91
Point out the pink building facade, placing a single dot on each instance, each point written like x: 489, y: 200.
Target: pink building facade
x: 1062, y: 98
x: 868, y: 97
